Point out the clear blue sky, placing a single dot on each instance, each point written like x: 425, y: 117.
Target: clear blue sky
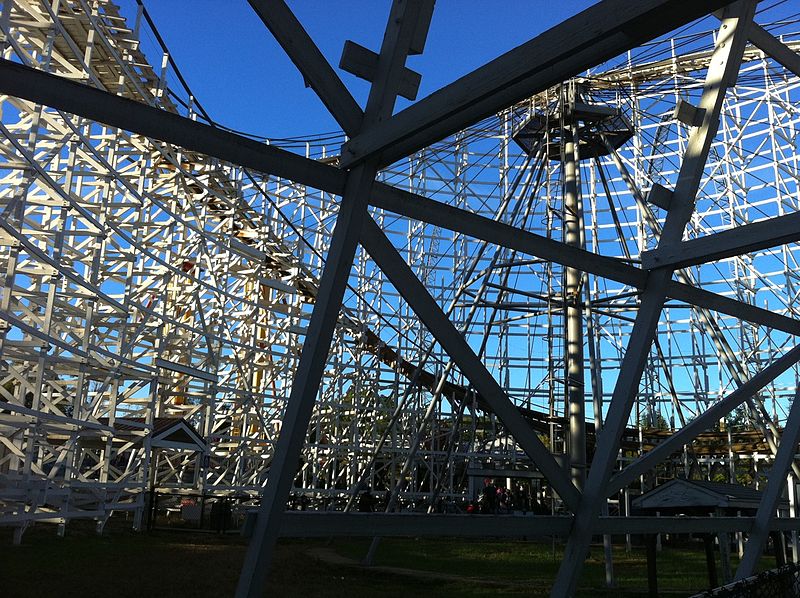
x: 245, y: 81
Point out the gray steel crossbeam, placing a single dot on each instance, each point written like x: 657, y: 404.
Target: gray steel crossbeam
x: 599, y: 33
x: 452, y: 218
x: 307, y: 378
x: 775, y: 485
x: 702, y: 422
x: 76, y: 98
x: 736, y: 241
x: 774, y: 48
x: 732, y: 307
x: 420, y: 208
x: 722, y: 72
x: 316, y: 70
x: 400, y: 35
x: 452, y: 341
x: 321, y: 524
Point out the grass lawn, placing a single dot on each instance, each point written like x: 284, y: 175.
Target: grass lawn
x: 681, y: 570
x: 181, y: 564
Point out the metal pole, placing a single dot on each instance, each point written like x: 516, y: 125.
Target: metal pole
x: 573, y: 236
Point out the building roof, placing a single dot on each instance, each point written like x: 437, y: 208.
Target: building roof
x: 680, y: 493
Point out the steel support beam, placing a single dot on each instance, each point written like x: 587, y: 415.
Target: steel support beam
x: 722, y: 72
x: 725, y: 305
x: 736, y: 241
x: 702, y: 422
x: 589, y: 38
x: 76, y: 98
x: 452, y: 341
x: 573, y: 278
x: 775, y: 48
x: 397, y: 40
x: 775, y: 485
x: 316, y: 70
x: 305, y: 386
x: 308, y: 524
x: 452, y: 218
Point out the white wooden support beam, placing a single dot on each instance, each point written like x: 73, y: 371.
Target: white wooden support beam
x: 598, y: 33
x: 748, y: 238
x: 452, y: 341
x: 316, y: 70
x: 363, y: 63
x: 186, y: 370
x: 775, y: 485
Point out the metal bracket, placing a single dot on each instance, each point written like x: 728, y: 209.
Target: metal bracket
x: 689, y: 114
x: 660, y: 196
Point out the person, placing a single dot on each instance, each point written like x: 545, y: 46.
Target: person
x: 502, y: 500
x: 489, y: 497
x: 365, y: 502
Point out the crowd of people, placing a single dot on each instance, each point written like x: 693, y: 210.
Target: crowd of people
x: 492, y: 499
x: 496, y: 499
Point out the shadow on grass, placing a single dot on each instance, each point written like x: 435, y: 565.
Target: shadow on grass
x: 188, y: 565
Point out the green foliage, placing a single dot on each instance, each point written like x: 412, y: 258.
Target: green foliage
x: 739, y: 419
x: 655, y: 421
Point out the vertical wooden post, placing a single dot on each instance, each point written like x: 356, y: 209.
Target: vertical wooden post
x: 780, y: 555
x: 725, y: 555
x: 711, y: 565
x: 652, y: 569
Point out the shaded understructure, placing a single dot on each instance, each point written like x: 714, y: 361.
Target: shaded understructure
x: 596, y: 231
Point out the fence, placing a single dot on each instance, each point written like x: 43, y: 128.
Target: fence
x: 783, y: 582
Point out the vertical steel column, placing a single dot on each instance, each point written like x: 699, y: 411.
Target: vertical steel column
x: 573, y: 350
x: 722, y: 72
x: 380, y: 104
x: 306, y: 382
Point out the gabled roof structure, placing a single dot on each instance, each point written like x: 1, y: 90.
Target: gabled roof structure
x: 680, y: 494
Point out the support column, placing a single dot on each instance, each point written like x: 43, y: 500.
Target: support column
x: 723, y: 71
x: 769, y: 500
x: 711, y: 564
x: 573, y: 355
x: 306, y: 383
x: 397, y: 41
x: 652, y: 567
x: 792, y: 486
x: 725, y: 555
